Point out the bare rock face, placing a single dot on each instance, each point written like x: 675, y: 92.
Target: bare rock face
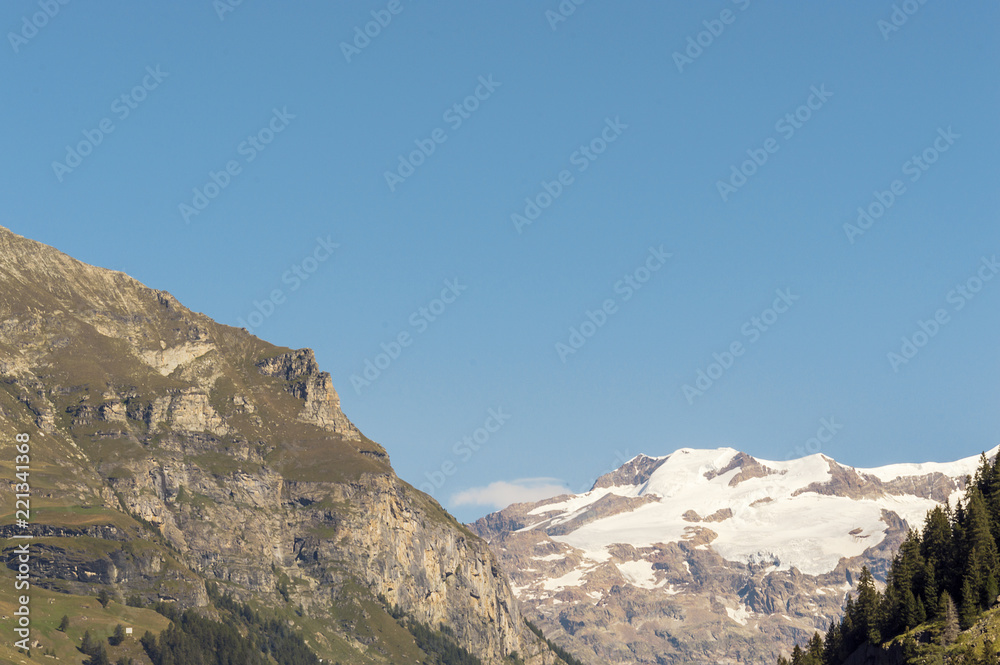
x: 634, y: 472
x: 179, y: 451
x: 847, y: 482
x: 305, y: 381
x: 710, y: 556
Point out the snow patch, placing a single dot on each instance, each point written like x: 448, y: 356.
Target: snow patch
x: 549, y: 557
x: 638, y: 574
x: 740, y: 615
x: 570, y: 579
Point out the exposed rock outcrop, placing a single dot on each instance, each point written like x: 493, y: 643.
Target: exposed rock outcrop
x: 179, y: 451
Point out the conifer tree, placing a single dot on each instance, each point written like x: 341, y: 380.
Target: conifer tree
x: 87, y: 644
x: 833, y: 644
x: 960, y: 551
x: 911, y: 615
x: 948, y: 612
x: 816, y: 650
x: 991, y: 492
x: 937, y: 546
x: 868, y: 608
x: 990, y: 590
x: 849, y: 632
x: 956, y: 556
x: 970, y: 605
x: 99, y: 657
x: 930, y: 590
x: 982, y: 548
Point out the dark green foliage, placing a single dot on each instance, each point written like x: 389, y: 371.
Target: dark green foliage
x: 243, y: 638
x: 87, y: 644
x: 99, y: 657
x: 63, y: 624
x: 949, y: 615
x: 813, y: 655
x: 118, y: 637
x: 969, y: 610
x: 104, y: 597
x: 284, y: 645
x: 440, y: 645
x: 94, y: 649
x: 567, y: 658
x: 868, y: 619
x: 955, y: 558
x: 282, y: 587
x: 833, y: 643
x: 443, y: 648
x: 815, y: 652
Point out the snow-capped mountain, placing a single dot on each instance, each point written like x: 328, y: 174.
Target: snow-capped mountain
x: 695, y: 556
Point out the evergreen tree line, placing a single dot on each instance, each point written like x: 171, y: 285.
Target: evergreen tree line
x: 246, y: 638
x: 946, y: 573
x: 442, y: 645
x: 95, y: 649
x: 567, y: 657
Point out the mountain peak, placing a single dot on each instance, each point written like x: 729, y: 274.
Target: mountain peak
x: 37, y: 277
x: 179, y: 451
x: 712, y: 542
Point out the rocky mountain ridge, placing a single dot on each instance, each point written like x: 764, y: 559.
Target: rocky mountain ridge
x: 709, y: 556
x: 169, y: 451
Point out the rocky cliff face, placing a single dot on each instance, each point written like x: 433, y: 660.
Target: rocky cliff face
x: 172, y: 451
x: 709, y: 556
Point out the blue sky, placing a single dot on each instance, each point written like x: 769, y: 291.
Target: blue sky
x: 558, y: 163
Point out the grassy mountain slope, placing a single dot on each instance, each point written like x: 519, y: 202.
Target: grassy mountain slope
x: 168, y: 450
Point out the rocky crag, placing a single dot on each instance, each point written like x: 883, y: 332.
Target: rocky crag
x: 169, y: 451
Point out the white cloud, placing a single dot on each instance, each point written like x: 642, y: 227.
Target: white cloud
x: 502, y: 493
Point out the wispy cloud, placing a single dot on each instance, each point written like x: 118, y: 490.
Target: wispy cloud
x: 502, y: 493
